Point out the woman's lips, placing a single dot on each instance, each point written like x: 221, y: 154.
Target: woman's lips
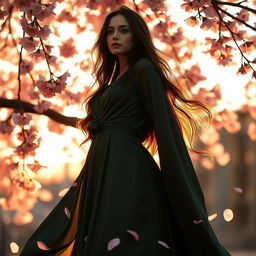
x: 116, y: 45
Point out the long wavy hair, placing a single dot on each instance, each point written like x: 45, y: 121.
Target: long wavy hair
x: 190, y: 114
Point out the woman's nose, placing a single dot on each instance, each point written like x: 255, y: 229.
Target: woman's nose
x: 115, y: 34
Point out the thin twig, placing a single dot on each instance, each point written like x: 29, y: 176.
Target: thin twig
x: 19, y: 80
x: 236, y: 5
x: 232, y: 34
x: 236, y: 18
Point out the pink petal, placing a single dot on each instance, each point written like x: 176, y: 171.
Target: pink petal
x: 238, y: 190
x: 74, y: 184
x: 67, y: 212
x: 197, y: 221
x: 42, y: 246
x: 212, y: 217
x: 163, y: 244
x: 134, y: 234
x: 113, y: 243
x: 63, y: 192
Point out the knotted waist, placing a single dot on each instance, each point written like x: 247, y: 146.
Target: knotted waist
x: 96, y: 126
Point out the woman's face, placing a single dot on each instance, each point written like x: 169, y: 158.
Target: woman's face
x: 119, y: 32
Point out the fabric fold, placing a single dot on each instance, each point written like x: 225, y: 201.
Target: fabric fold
x: 183, y: 189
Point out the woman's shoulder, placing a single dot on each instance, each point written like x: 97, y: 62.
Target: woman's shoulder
x: 143, y: 63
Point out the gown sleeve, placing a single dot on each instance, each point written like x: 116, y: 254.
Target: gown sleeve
x: 184, y: 195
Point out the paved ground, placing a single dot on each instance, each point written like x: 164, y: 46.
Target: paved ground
x: 243, y: 253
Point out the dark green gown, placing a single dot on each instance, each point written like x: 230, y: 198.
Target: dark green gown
x: 120, y: 193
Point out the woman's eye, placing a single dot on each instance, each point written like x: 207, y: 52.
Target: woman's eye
x: 124, y: 30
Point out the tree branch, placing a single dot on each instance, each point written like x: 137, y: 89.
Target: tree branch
x: 236, y: 5
x: 215, y: 6
x: 52, y: 114
x: 236, y: 18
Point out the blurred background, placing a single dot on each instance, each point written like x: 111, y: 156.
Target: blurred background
x: 209, y: 45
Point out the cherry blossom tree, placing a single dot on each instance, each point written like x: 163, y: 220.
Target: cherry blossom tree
x: 36, y: 82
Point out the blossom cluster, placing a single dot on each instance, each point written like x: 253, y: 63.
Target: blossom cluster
x: 51, y: 87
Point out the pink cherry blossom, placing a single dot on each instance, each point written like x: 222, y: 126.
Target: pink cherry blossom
x: 25, y: 67
x: 23, y: 5
x: 75, y: 97
x: 44, y: 32
x: 6, y: 127
x: 26, y: 149
x: 34, y: 95
x: 64, y: 77
x: 176, y: 37
x: 208, y: 24
x: 68, y: 49
x: 42, y: 106
x: 190, y: 5
x: 155, y: 5
x: 52, y: 59
x: 19, y: 119
x: 93, y: 5
x: 243, y: 15
x: 48, y: 48
x: 67, y: 16
x: 30, y: 28
x: 49, y: 88
x: 209, y: 12
x: 28, y: 43
x: 41, y: 12
x: 3, y: 14
x: 35, y: 167
x: 38, y: 54
x: 192, y: 21
x: 194, y: 75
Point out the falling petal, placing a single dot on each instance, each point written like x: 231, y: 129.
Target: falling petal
x: 85, y: 239
x: 134, y: 234
x: 74, y: 184
x: 63, y: 192
x: 238, y: 190
x: 163, y: 244
x: 212, y: 217
x: 228, y: 215
x: 67, y: 212
x: 197, y: 221
x: 14, y: 247
x: 42, y: 246
x: 113, y: 243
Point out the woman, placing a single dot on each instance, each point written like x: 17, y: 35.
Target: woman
x: 122, y: 203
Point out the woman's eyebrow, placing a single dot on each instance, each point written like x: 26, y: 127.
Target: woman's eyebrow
x: 119, y: 26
